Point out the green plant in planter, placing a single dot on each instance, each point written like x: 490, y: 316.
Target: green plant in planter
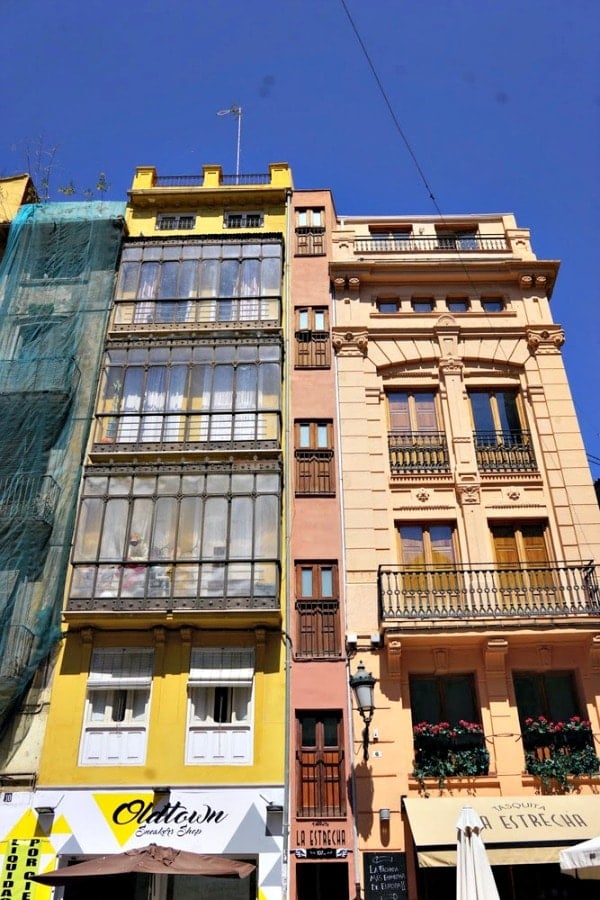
x: 556, y: 769
x: 557, y: 750
x: 443, y: 751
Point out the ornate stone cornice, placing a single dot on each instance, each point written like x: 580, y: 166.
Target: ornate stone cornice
x: 545, y: 340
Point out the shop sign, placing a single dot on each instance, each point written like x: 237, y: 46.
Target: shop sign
x: 21, y: 861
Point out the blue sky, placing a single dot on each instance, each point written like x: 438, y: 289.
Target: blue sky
x: 500, y: 102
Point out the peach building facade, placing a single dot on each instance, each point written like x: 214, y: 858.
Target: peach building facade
x: 471, y: 531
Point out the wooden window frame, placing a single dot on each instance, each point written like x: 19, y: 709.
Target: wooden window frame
x: 441, y: 683
x: 318, y: 631
x: 314, y: 469
x: 321, y: 767
x: 313, y: 347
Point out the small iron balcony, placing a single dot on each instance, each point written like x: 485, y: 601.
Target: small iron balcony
x: 422, y: 593
x: 504, y: 451
x: 432, y: 244
x: 418, y: 452
x: 28, y: 498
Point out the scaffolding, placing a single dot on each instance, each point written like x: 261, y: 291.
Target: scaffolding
x: 56, y: 282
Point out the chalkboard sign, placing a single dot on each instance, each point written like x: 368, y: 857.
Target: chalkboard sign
x: 385, y: 876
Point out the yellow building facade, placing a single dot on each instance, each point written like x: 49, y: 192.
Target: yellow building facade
x: 471, y: 531
x: 169, y: 700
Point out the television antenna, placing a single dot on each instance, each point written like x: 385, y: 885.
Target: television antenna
x: 235, y: 111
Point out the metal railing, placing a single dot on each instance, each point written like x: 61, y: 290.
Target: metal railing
x: 502, y: 451
x: 28, y: 497
x: 432, y: 244
x: 254, y: 428
x: 198, y: 180
x: 206, y: 311
x: 418, y: 452
x: 318, y: 623
x: 252, y: 178
x: 314, y: 472
x: 417, y: 593
x: 165, y: 584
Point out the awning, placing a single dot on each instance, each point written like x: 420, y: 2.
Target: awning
x: 516, y: 829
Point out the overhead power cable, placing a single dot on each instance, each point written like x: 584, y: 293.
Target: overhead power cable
x: 383, y: 92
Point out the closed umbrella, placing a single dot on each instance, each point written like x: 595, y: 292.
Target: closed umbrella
x: 474, y: 878
x: 154, y: 859
x: 582, y: 860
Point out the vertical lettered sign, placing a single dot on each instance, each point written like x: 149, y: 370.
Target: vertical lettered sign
x: 21, y: 861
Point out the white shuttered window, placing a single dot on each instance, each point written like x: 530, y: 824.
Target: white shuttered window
x: 220, y: 706
x: 115, y: 726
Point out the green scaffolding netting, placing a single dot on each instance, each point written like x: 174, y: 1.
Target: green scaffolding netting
x: 56, y: 282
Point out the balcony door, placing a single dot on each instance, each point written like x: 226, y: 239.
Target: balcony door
x: 524, y: 573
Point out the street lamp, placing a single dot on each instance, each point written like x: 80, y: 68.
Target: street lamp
x: 362, y: 683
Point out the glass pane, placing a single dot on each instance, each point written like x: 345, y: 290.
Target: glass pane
x: 98, y: 701
x: 303, y: 320
x: 482, y: 411
x: 530, y: 701
x: 168, y: 280
x: 190, y: 528
x: 229, y: 278
x: 304, y: 431
x: 330, y: 731
x: 319, y: 316
x: 508, y: 413
x: 306, y: 582
x: 88, y: 532
x: 561, y: 697
x: 240, y: 544
x: 266, y: 532
x: 442, y: 551
x: 128, y: 276
x: 458, y: 691
x: 411, y: 540
x: 271, y: 277
x: 148, y: 280
x: 309, y: 731
x: 322, y: 436
x: 113, y: 533
x: 326, y: 582
x: 215, y: 528
x: 209, y: 278
x: 425, y: 700
x: 165, y: 524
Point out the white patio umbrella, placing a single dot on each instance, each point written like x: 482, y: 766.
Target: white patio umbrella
x: 582, y: 860
x: 474, y: 878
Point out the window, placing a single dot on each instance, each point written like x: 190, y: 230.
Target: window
x: 310, y: 232
x: 447, y: 698
x: 429, y: 576
x: 388, y: 306
x: 549, y: 694
x: 391, y: 238
x: 205, y: 393
x: 448, y: 738
x: 459, y: 239
x: 422, y: 304
x: 314, y: 458
x: 415, y: 443
x: 427, y: 545
x: 320, y: 759
x: 312, y: 338
x: 524, y: 573
x: 457, y: 304
x: 116, y: 710
x: 500, y: 441
x: 197, y: 537
x: 492, y: 304
x: 243, y: 220
x: 412, y: 412
x: 199, y: 281
x: 317, y: 609
x: 220, y: 706
x: 173, y: 222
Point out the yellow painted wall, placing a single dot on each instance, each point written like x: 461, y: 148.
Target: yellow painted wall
x: 168, y: 714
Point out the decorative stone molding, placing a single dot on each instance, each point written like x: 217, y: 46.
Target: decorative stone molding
x: 495, y: 653
x: 393, y: 649
x: 451, y: 366
x: 468, y: 494
x: 423, y: 496
x: 186, y: 635
x: 160, y: 636
x: 595, y: 654
x: 440, y: 661
x: 351, y: 343
x: 544, y: 657
x: 513, y: 495
x: 354, y: 283
x: 546, y: 340
x: 525, y: 281
x: 87, y: 635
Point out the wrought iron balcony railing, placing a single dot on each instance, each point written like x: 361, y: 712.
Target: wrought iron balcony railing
x: 252, y: 428
x: 419, y: 593
x: 504, y: 451
x: 198, y: 180
x: 28, y: 497
x: 418, y: 452
x: 432, y: 244
x: 165, y: 584
x: 227, y: 312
